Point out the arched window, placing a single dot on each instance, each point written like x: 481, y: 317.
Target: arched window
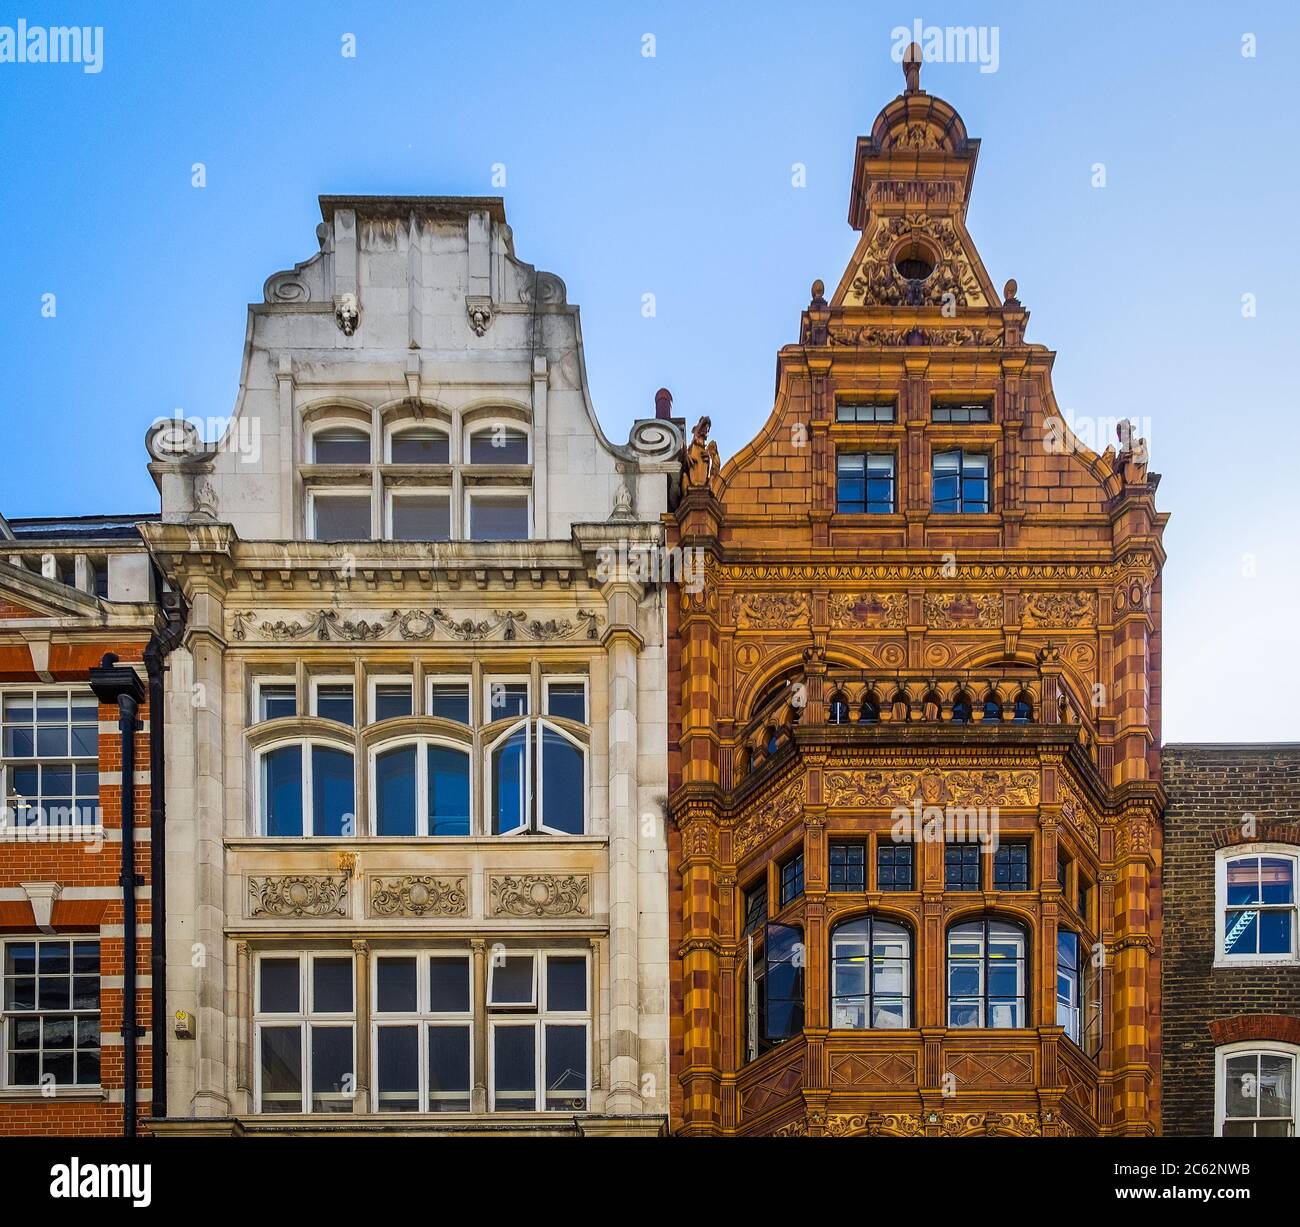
x: 870, y: 711
x: 773, y: 739
x: 839, y: 708
x: 1255, y: 1090
x: 871, y: 974
x: 992, y: 708
x: 987, y: 974
x: 341, y: 445
x: 900, y: 707
x: 307, y: 789
x: 421, y: 788
x: 1024, y: 709
x: 1255, y: 904
x: 538, y: 780
x: 961, y: 708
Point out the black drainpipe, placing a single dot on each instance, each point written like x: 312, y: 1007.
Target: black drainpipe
x: 160, y: 645
x: 121, y: 685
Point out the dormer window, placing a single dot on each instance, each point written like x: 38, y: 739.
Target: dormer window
x: 340, y: 445
x: 498, y: 444
x: 419, y: 447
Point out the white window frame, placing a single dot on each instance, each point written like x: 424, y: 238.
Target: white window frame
x: 526, y: 724
x: 37, y: 939
x: 421, y: 746
x: 410, y: 427
x: 566, y: 679
x: 9, y: 828
x: 515, y: 492
x: 373, y: 683
x: 304, y: 1018
x: 424, y: 1018
x: 341, y: 679
x: 538, y: 1017
x: 396, y: 492
x: 540, y: 725
x: 1222, y: 856
x: 451, y: 679
x: 279, y: 682
x: 486, y: 426
x: 308, y: 809
x: 315, y: 493
x: 1252, y: 1047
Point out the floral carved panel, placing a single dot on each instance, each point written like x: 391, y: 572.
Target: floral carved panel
x: 777, y: 611
x: 774, y: 813
x: 888, y: 788
x: 886, y: 611
x: 540, y: 894
x: 1059, y: 610
x: 947, y: 611
x: 298, y: 895
x: 418, y: 895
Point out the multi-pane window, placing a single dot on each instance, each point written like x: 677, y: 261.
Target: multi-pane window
x: 871, y: 974
x: 539, y: 1032
x: 449, y: 700
x: 51, y: 1012
x: 390, y: 700
x: 756, y: 906
x: 423, y: 1032
x: 537, y: 770
x: 864, y: 483
x: 1256, y: 1093
x: 960, y: 482
x: 986, y: 974
x: 848, y: 867
x: 304, y: 1034
x: 961, y: 866
x: 864, y: 411
x: 780, y: 995
x: 1011, y: 866
x: 961, y: 412
x: 1069, y: 984
x: 49, y: 758
x: 1256, y: 904
x: 792, y: 879
x: 307, y: 789
x: 422, y: 788
x: 894, y: 866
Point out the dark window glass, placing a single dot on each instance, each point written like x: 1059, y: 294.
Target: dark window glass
x: 992, y: 710
x: 392, y: 700
x: 396, y: 980
x: 1085, y: 898
x: 566, y: 983
x: 332, y: 792
x: 848, y: 867
x: 961, y: 709
x: 961, y: 867
x: 566, y: 1067
x: 1068, y: 983
x: 509, y: 783
x: 278, y: 701
x: 567, y: 699
x: 399, y: 1069
x: 450, y: 700
x: 282, y: 791
x: 864, y: 411
x: 783, y: 981
x: 514, y: 1053
x: 839, y: 709
x: 334, y: 702
x: 331, y: 986
x: 499, y: 445
x: 395, y: 792
x: 894, y: 866
x: 449, y: 1069
x: 756, y: 906
x: 341, y: 517
x: 563, y: 790
x: 507, y: 699
x: 970, y: 411
x: 864, y: 483
x: 448, y: 791
x: 448, y: 985
x: 1011, y: 867
x: 1024, y: 710
x: 331, y: 1069
x: 278, y: 986
x: 342, y: 447
x: 512, y: 981
x: 792, y: 879
x: 419, y: 447
x: 960, y: 482
x: 421, y: 517
x: 281, y: 1069
x: 501, y: 517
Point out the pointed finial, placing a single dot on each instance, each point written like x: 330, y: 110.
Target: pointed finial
x: 912, y: 69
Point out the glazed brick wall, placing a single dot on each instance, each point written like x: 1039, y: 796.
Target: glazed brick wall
x: 81, y: 864
x: 1209, y: 789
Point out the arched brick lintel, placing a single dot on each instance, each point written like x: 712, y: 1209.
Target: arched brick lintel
x: 1265, y: 833
x: 1280, y: 1028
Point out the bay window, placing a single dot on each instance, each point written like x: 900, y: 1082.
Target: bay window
x: 871, y: 974
x: 987, y: 974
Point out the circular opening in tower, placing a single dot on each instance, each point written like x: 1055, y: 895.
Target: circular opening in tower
x: 913, y: 262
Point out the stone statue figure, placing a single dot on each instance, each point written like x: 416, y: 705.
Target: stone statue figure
x: 701, y: 465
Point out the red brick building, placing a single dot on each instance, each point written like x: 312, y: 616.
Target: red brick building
x: 72, y: 591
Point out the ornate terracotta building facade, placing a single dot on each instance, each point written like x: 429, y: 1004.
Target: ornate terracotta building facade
x: 915, y: 715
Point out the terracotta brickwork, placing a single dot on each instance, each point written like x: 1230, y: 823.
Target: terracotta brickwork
x: 837, y: 666
x: 1219, y: 797
x: 50, y: 637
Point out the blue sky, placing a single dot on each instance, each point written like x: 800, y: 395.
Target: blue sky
x: 671, y: 175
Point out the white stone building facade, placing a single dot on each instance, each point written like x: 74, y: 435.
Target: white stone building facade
x: 416, y: 729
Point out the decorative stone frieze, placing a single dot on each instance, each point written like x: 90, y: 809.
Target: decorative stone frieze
x: 297, y: 895
x: 539, y: 894
x: 419, y: 895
